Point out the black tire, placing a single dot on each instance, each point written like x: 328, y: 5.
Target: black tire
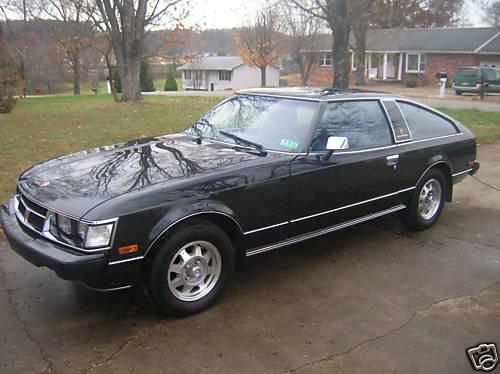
x: 458, y: 93
x: 158, y: 282
x: 412, y: 215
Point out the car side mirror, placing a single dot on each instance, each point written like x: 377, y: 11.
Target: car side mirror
x: 335, y: 143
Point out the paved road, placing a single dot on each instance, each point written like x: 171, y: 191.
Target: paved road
x: 437, y: 103
x: 372, y: 299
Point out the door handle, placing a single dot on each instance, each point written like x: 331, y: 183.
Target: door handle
x: 392, y: 160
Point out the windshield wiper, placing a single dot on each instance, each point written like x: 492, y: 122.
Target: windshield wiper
x: 240, y: 141
x: 199, y: 133
x: 245, y: 142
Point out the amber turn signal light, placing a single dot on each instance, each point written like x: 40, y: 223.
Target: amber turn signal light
x: 128, y: 249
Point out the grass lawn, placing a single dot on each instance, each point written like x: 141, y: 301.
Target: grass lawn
x: 46, y: 127
x: 485, y: 125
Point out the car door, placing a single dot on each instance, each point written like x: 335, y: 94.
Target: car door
x: 492, y: 77
x: 351, y: 183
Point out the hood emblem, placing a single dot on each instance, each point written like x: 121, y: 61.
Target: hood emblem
x: 44, y: 183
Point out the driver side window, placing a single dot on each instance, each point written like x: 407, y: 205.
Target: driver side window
x: 361, y: 122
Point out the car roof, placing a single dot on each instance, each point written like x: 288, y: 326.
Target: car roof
x: 316, y: 93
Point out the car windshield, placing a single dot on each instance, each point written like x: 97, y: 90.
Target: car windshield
x: 275, y: 123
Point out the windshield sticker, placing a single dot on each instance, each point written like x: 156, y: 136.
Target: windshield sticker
x: 289, y: 143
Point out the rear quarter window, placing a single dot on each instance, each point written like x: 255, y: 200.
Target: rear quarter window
x: 425, y: 124
x: 490, y: 74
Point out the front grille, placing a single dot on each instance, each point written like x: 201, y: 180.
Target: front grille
x: 46, y: 223
x: 30, y: 213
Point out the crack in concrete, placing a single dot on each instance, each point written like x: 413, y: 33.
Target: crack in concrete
x: 381, y: 336
x: 467, y: 241
x: 486, y: 183
x: 110, y: 358
x: 49, y: 364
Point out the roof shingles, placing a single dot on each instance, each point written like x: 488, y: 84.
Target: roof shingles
x: 452, y: 40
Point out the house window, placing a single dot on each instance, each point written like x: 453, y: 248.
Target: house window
x: 325, y: 59
x: 415, y: 62
x: 187, y: 74
x: 224, y: 75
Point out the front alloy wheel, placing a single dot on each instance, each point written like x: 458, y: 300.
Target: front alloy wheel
x: 191, y: 269
x: 194, y: 270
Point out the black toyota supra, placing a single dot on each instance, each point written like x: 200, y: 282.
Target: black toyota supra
x: 264, y: 169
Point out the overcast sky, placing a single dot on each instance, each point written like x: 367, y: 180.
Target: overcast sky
x: 233, y: 13
x: 210, y: 14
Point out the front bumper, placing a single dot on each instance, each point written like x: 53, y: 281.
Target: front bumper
x: 67, y: 264
x: 91, y: 269
x: 466, y: 88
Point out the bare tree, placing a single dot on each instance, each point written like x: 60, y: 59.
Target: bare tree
x: 492, y: 12
x: 72, y: 30
x: 261, y: 44
x: 126, y: 23
x: 340, y: 16
x: 302, y: 30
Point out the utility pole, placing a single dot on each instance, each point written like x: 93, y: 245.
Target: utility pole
x: 25, y: 61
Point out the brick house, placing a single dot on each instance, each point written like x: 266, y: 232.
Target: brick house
x: 415, y: 55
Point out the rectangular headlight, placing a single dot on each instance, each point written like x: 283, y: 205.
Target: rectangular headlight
x: 98, y: 236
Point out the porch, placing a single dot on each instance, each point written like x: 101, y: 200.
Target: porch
x: 384, y: 66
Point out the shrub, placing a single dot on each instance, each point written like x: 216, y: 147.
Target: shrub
x: 7, y: 104
x: 170, y: 83
x: 147, y: 84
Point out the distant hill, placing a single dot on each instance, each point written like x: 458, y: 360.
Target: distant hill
x: 219, y: 41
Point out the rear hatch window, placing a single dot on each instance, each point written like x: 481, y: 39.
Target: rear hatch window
x: 466, y: 76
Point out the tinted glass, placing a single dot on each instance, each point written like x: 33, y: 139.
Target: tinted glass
x: 467, y: 73
x: 277, y: 124
x: 361, y: 122
x: 424, y: 124
x: 490, y: 74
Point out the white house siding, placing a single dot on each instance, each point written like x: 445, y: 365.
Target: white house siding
x: 189, y: 83
x: 243, y: 76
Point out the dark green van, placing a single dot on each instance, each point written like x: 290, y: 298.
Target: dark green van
x: 467, y: 79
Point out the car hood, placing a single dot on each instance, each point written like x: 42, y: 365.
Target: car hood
x: 75, y: 183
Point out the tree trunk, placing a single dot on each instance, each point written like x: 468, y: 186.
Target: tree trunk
x: 263, y: 77
x: 131, y: 82
x: 360, y: 31
x: 341, y: 61
x: 110, y: 75
x: 301, y: 61
x: 76, y: 72
x: 340, y: 27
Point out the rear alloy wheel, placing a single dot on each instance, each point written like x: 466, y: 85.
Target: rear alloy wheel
x: 192, y: 268
x: 427, y: 201
x: 458, y: 93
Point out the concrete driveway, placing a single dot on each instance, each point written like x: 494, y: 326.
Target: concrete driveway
x: 372, y: 299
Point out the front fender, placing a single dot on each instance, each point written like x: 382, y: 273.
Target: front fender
x: 177, y: 214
